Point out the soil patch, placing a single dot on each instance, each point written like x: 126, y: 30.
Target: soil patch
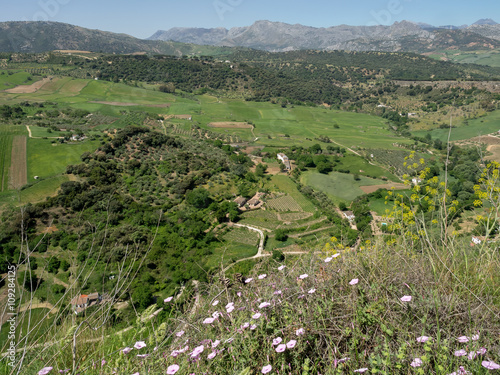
x: 495, y: 151
x: 29, y: 89
x: 121, y: 104
x: 229, y: 124
x: 18, y: 172
x: 486, y: 139
x: 372, y: 188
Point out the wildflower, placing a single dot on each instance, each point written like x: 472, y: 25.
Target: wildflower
x: 300, y: 332
x: 139, y: 345
x: 208, y: 321
x: 423, y: 339
x: 103, y: 362
x: 212, y: 355
x: 471, y: 356
x: 304, y: 276
x: 353, y: 282
x: 280, y: 348
x: 215, y: 343
x: 475, y: 337
x: 278, y: 292
x: 215, y: 303
x: 179, y: 334
x: 281, y: 268
x: 481, y: 351
x: 405, y: 299
x: 63, y: 371
x: 197, y: 351
x: 263, y: 276
x: 229, y: 308
x: 264, y: 304
x: 463, y: 339
x: 266, y: 369
x: 175, y: 353
x: 256, y: 316
x: 328, y: 260
x: 45, y: 370
x: 277, y: 340
x: 245, y: 325
x: 216, y: 314
x: 311, y: 291
x: 238, y: 294
x: 172, y: 369
x: 291, y: 344
x: 490, y: 365
x: 361, y: 370
x: 127, y: 350
x: 253, y: 327
x: 168, y: 299
x: 229, y: 340
x: 248, y: 280
x: 335, y: 255
x: 184, y: 349
x: 460, y: 353
x: 142, y: 355
x: 417, y: 362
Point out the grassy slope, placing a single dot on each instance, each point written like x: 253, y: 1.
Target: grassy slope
x: 476, y: 127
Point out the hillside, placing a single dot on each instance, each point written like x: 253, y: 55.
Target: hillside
x: 33, y: 37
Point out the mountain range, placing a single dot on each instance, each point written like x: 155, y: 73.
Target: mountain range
x: 401, y: 36
x: 404, y: 36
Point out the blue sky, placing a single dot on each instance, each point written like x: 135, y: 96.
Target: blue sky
x: 142, y: 19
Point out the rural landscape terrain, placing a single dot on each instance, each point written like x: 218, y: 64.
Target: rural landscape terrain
x: 250, y: 203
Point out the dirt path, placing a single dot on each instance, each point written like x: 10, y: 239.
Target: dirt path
x: 29, y: 89
x: 18, y: 172
x: 298, y: 235
x: 31, y: 136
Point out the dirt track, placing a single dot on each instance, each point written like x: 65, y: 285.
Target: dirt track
x: 18, y: 172
x: 372, y: 188
x: 231, y: 125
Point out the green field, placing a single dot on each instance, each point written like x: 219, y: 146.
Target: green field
x: 7, y: 133
x: 285, y: 184
x: 480, y: 126
x: 36, y: 319
x: 338, y: 186
x: 486, y: 57
x: 46, y: 159
x: 10, y: 79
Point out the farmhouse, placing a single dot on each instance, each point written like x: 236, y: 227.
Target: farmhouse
x: 284, y: 159
x: 80, y: 303
x: 240, y: 201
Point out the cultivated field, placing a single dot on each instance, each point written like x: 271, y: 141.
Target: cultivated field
x: 29, y: 89
x: 18, y: 171
x: 230, y: 125
x: 284, y: 203
x: 7, y: 135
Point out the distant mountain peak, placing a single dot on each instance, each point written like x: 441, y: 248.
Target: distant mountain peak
x: 485, y: 21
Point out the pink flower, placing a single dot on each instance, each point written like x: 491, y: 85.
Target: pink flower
x: 179, y: 334
x: 300, y: 332
x: 353, y: 282
x: 238, y: 294
x: 475, y: 337
x: 142, y: 355
x: 311, y: 291
x: 361, y: 370
x: 304, y: 276
x: 461, y: 371
x: 253, y: 327
x: 471, y: 356
x: 460, y: 353
x: 215, y: 343
x: 197, y: 351
x: 127, y: 350
x: 423, y: 339
x: 291, y: 344
x: 328, y: 260
x: 208, y: 321
x: 463, y: 339
x: 280, y: 348
x: 45, y: 371
x: 139, y: 345
x: 215, y: 303
x: 263, y: 276
x: 405, y: 299
x: 277, y: 340
x: 264, y: 304
x: 175, y: 353
x: 481, y: 351
x: 256, y: 316
x: 278, y: 292
x: 281, y: 268
x: 417, y: 362
x: 230, y: 307
x: 172, y: 369
x: 245, y: 325
x: 266, y: 369
x: 212, y: 355
x: 490, y: 365
x: 248, y: 280
x: 168, y: 299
